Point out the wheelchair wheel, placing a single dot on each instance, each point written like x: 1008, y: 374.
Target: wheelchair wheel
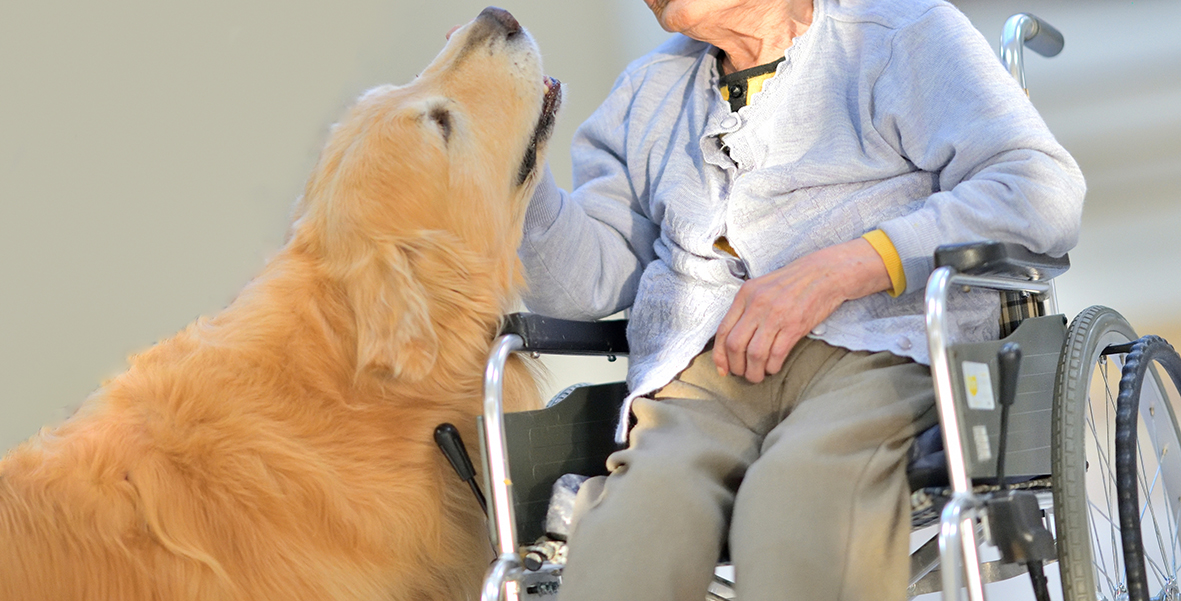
x: 1091, y: 554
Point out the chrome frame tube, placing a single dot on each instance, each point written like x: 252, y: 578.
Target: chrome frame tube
x: 996, y: 283
x: 952, y: 542
x: 502, y: 523
x: 1050, y: 299
x: 1017, y: 29
x: 950, y: 522
x: 503, y: 575
x: 957, y: 536
x: 938, y: 287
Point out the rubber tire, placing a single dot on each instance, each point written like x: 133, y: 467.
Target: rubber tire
x: 1091, y: 331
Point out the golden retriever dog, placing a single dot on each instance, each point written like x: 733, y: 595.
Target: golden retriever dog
x: 283, y: 449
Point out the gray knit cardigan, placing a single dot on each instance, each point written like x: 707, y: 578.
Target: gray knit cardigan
x: 886, y: 114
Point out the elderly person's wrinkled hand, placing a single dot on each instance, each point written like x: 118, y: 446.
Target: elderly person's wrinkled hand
x: 773, y: 312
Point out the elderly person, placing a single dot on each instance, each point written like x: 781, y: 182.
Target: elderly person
x: 765, y: 192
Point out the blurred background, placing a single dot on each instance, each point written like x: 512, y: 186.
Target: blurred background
x: 150, y: 153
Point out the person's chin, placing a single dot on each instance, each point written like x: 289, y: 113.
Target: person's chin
x: 657, y: 6
x: 679, y: 17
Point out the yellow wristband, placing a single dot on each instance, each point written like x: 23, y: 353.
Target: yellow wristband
x: 881, y: 243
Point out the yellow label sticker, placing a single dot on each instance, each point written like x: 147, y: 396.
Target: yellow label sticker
x: 978, y: 385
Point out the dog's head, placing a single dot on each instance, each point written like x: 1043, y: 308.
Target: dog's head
x: 431, y: 176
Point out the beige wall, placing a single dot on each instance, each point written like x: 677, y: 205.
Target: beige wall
x: 149, y: 152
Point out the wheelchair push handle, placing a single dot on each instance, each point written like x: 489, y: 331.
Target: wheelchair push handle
x: 1038, y: 35
x: 1024, y: 29
x: 1047, y: 41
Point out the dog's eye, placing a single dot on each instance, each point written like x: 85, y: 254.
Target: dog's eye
x: 442, y: 118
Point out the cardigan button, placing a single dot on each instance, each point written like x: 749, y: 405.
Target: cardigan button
x: 904, y: 343
x: 730, y: 121
x: 819, y: 330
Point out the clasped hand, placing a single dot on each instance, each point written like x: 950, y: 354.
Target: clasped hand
x: 771, y: 313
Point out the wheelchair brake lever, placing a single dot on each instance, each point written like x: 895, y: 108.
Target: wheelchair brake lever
x: 449, y: 441
x: 1009, y: 367
x: 1014, y: 516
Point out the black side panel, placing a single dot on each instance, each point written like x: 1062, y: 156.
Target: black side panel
x: 574, y: 436
x: 1028, y: 447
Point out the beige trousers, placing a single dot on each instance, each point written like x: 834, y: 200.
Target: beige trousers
x: 801, y: 475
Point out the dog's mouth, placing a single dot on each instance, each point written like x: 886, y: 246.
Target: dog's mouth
x: 545, y: 126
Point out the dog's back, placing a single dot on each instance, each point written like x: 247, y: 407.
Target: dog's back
x: 237, y: 460
x: 70, y: 525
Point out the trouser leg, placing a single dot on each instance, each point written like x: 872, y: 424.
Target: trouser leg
x: 823, y: 514
x: 656, y: 529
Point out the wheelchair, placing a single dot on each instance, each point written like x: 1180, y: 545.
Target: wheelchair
x: 1056, y: 444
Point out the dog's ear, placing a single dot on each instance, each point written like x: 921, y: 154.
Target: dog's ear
x: 395, y: 334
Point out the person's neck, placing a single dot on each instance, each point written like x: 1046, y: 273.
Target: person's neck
x: 759, y: 33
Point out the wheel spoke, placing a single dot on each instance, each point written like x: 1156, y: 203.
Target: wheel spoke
x: 1107, y: 469
x: 1101, y: 566
x: 1175, y: 519
x: 1148, y: 490
x: 1171, y: 523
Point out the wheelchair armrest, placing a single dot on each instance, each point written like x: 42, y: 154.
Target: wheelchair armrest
x: 567, y: 337
x: 1001, y: 259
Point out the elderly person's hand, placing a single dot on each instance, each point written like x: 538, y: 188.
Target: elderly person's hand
x: 773, y: 312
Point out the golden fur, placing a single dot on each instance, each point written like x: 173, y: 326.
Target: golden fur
x: 283, y: 448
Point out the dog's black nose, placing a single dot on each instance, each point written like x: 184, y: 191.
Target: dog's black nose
x: 501, y: 17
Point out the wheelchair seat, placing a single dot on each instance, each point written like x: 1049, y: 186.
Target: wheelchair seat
x: 573, y: 435
x: 566, y: 431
